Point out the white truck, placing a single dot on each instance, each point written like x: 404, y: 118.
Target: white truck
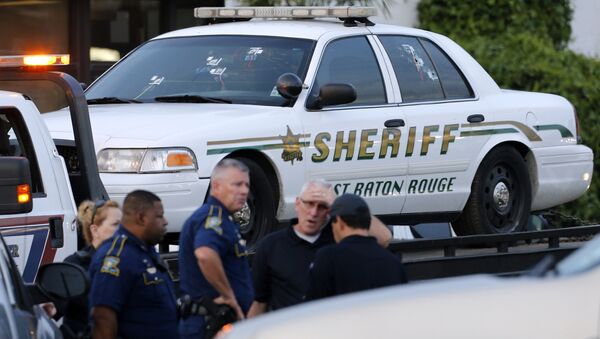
x: 37, y: 198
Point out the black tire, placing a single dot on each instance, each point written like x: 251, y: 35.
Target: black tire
x: 262, y: 205
x: 500, y: 200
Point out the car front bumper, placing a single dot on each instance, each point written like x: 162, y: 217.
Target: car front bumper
x: 181, y: 193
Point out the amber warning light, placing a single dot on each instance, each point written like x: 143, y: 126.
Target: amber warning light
x: 34, y: 60
x: 23, y: 194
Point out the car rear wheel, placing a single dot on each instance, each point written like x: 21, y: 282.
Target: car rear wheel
x: 500, y: 199
x: 257, y: 218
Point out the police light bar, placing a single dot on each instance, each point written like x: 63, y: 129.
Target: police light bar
x: 284, y: 12
x: 34, y: 60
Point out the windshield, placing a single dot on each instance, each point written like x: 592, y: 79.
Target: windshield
x: 584, y: 259
x: 232, y: 69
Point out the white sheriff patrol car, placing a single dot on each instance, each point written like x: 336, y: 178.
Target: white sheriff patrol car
x: 402, y: 117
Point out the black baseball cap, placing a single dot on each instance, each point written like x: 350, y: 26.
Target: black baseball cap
x: 351, y: 205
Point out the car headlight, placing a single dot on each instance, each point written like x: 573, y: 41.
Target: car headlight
x: 146, y: 160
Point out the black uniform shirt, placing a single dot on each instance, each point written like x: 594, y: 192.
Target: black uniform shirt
x: 281, y: 264
x: 76, y: 309
x: 357, y: 263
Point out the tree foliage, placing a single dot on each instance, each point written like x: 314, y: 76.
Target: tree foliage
x: 473, y: 18
x: 525, y: 56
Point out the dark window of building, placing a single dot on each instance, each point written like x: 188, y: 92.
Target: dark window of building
x: 34, y: 27
x: 119, y: 26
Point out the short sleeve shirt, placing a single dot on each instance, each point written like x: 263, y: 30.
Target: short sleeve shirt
x: 280, y: 267
x: 212, y: 226
x: 129, y: 277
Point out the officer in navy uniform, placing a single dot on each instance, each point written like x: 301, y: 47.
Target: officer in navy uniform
x: 212, y: 253
x: 132, y: 293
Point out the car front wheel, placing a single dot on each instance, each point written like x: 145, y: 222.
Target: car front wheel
x: 257, y: 218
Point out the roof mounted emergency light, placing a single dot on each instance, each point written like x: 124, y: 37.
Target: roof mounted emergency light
x: 34, y: 60
x: 284, y: 12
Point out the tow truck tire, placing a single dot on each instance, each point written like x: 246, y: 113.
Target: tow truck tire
x: 262, y: 205
x: 500, y: 200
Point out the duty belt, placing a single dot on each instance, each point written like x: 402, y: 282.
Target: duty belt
x: 216, y: 315
x: 187, y: 307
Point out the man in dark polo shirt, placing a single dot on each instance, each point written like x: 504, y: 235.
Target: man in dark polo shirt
x: 356, y: 262
x: 281, y: 264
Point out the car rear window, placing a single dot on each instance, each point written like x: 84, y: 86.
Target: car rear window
x: 424, y: 72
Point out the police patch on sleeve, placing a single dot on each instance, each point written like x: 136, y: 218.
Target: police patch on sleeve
x: 239, y: 248
x: 110, y: 265
x: 214, y: 223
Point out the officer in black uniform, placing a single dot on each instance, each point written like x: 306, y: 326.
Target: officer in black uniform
x: 356, y: 262
x: 98, y: 222
x: 280, y: 266
x: 212, y: 253
x: 132, y: 294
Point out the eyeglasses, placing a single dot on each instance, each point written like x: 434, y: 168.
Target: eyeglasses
x: 321, y: 207
x: 98, y: 204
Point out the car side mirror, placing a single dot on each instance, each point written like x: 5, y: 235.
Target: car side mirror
x: 63, y: 280
x: 332, y: 94
x: 289, y: 85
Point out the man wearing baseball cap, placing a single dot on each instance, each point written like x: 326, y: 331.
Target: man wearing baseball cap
x: 356, y: 262
x: 280, y: 266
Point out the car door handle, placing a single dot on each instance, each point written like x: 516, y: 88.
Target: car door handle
x: 474, y: 118
x: 394, y: 123
x: 56, y: 232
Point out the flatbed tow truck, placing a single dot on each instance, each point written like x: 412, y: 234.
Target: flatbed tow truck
x: 38, y: 199
x: 41, y: 228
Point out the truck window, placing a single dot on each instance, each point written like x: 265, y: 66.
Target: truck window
x: 15, y: 141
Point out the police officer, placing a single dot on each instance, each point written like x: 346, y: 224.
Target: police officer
x: 98, y: 221
x: 212, y: 254
x: 132, y: 294
x: 356, y: 262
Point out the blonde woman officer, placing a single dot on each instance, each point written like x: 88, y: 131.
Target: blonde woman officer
x: 98, y: 221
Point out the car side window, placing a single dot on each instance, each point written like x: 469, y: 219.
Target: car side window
x: 416, y: 74
x: 454, y: 83
x: 352, y: 61
x: 15, y: 141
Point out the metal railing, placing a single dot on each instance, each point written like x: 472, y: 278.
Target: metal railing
x: 514, y: 253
